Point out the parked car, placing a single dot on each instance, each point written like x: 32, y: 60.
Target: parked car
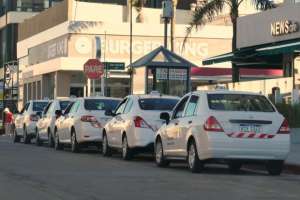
x: 45, y: 125
x: 232, y: 127
x: 82, y: 122
x: 134, y: 124
x: 25, y: 121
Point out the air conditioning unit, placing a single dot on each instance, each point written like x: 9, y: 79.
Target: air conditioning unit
x: 167, y: 7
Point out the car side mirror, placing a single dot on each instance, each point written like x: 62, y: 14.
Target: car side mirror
x: 39, y: 113
x: 165, y: 116
x: 109, y: 113
x: 58, y: 113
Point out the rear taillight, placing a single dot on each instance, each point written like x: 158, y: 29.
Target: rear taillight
x: 93, y: 120
x: 284, y: 128
x: 212, y: 124
x: 34, y: 118
x: 140, y: 122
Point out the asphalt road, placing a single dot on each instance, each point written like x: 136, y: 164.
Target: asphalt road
x: 29, y: 172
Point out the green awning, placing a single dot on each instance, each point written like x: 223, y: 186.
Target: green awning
x: 279, y: 49
x: 218, y: 59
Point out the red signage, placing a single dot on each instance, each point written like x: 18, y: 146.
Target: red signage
x: 93, y: 69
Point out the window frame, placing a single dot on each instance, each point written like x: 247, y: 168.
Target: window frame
x: 185, y: 98
x: 121, y: 103
x: 129, y: 104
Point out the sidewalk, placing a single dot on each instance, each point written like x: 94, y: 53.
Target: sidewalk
x: 294, y: 157
x: 293, y: 161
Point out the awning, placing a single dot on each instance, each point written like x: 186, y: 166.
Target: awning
x: 279, y: 49
x: 218, y: 59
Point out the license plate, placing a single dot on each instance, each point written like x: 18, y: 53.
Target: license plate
x: 250, y: 128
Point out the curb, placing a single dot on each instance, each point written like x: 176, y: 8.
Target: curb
x: 292, y: 168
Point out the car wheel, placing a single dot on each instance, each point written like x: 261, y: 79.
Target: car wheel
x: 16, y: 137
x: 57, y: 144
x: 235, y: 166
x: 27, y: 138
x: 74, y: 144
x: 50, y: 140
x: 38, y: 141
x: 275, y: 167
x: 106, y: 150
x: 159, y: 155
x: 194, y: 163
x: 126, y: 151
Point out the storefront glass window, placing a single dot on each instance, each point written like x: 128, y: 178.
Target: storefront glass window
x: 171, y: 81
x: 178, y: 81
x: 162, y: 80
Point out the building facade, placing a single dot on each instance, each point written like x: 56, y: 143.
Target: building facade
x: 269, y: 40
x: 52, y: 48
x: 54, y: 45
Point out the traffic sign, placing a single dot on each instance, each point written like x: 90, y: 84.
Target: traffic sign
x: 114, y: 66
x: 93, y: 69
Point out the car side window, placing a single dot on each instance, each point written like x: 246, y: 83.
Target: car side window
x: 75, y: 107
x: 121, y: 107
x: 178, y: 111
x: 47, y: 108
x: 27, y: 106
x: 68, y: 109
x: 191, y: 106
x: 23, y: 109
x: 128, y: 106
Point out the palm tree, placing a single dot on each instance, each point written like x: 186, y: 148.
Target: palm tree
x: 210, y: 10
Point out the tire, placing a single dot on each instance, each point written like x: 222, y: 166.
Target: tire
x: 235, y: 166
x: 194, y: 163
x: 16, y: 137
x: 74, y: 144
x: 38, y: 141
x: 160, y: 159
x: 274, y: 167
x: 127, y: 153
x: 50, y: 140
x: 106, y: 150
x: 57, y: 144
x: 27, y: 139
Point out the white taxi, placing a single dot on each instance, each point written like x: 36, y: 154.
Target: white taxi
x: 235, y: 127
x: 82, y: 122
x: 134, y: 124
x: 25, y: 121
x: 45, y: 125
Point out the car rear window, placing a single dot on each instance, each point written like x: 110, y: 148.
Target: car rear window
x: 39, y: 106
x: 239, y: 102
x: 157, y: 103
x: 64, y: 104
x: 100, y: 104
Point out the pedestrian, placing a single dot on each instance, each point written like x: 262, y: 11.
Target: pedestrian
x: 8, y: 121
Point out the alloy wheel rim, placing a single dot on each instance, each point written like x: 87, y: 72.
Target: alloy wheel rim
x: 192, y: 154
x: 158, y: 152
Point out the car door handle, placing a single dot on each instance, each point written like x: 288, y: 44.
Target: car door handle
x: 176, y: 123
x: 190, y: 122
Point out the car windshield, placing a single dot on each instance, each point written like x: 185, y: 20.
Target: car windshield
x: 239, y: 102
x: 157, y: 103
x: 63, y: 104
x: 100, y: 104
x: 39, y: 106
